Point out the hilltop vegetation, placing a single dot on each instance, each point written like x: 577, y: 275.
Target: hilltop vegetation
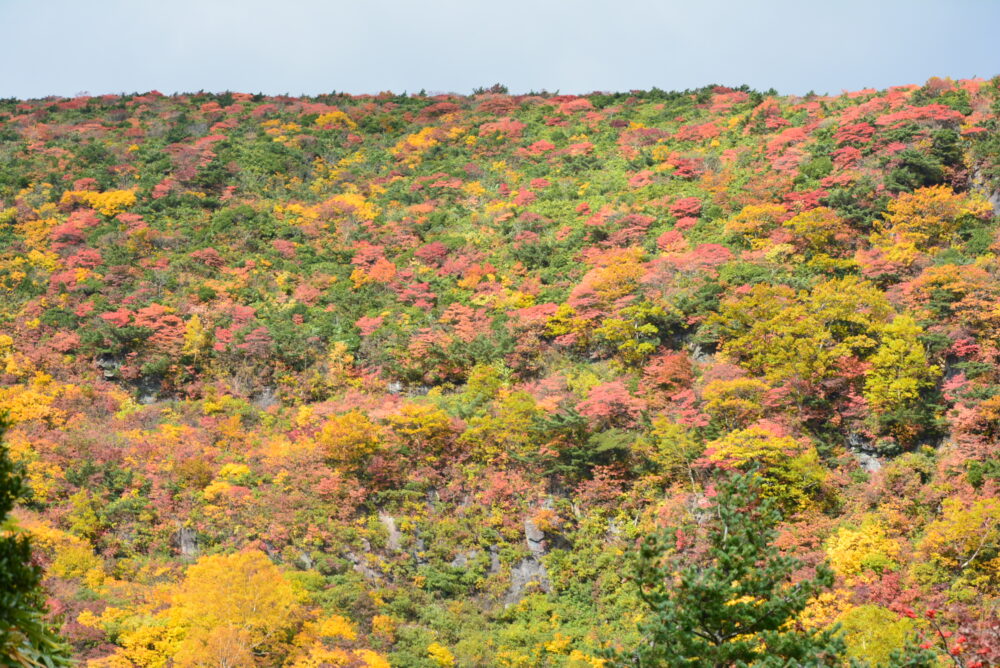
x: 404, y: 379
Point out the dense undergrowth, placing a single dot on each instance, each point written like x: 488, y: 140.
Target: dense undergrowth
x: 370, y: 379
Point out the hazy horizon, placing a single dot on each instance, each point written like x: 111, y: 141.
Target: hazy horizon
x: 310, y: 47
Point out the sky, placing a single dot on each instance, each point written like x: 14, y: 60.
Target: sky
x: 59, y: 47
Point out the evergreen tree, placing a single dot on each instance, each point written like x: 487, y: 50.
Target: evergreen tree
x: 734, y: 605
x: 25, y: 638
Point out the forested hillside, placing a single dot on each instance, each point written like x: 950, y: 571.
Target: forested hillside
x: 404, y: 379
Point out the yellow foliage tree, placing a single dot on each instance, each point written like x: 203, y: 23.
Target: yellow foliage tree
x: 234, y: 611
x: 872, y: 633
x: 754, y: 222
x: 818, y: 230
x: 349, y: 438
x: 618, y: 278
x: 82, y: 517
x: 34, y: 401
x: 820, y: 239
x: 411, y: 147
x: 924, y: 221
x: 440, y: 655
x: 222, y: 646
x: 423, y: 426
x: 197, y: 339
x: 632, y: 333
x: 505, y: 431
x: 782, y: 334
x: 231, y: 607
x: 965, y: 542
x: 859, y: 553
x: 335, y: 119
x: 322, y: 643
x: 109, y: 203
x: 71, y: 556
x: 143, y: 640
x: 899, y: 372
x: 355, y: 204
x: 735, y: 403
x: 670, y: 447
x: 899, y: 367
x: 790, y: 472
x: 565, y: 322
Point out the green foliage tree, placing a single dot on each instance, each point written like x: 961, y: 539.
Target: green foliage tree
x: 25, y: 638
x: 737, y: 604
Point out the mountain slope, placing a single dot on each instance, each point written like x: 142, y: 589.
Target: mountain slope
x: 423, y: 369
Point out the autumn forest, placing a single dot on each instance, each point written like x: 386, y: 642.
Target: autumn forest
x: 494, y: 380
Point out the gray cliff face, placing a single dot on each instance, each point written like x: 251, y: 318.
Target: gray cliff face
x: 991, y: 192
x: 530, y: 572
x: 865, y: 452
x: 389, y: 522
x: 526, y: 575
x: 186, y: 539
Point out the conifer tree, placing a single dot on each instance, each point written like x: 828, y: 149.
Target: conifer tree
x: 25, y: 638
x: 735, y: 604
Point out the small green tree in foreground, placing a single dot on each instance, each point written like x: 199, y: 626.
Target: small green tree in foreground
x: 25, y: 639
x: 734, y: 602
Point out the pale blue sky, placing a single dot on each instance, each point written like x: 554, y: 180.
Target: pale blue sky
x: 312, y: 46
